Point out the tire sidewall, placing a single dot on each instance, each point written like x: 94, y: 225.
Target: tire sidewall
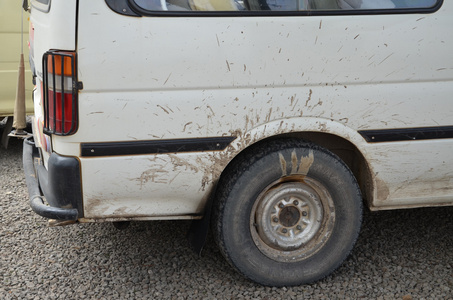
x: 250, y: 181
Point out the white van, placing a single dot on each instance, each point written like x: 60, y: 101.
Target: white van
x: 271, y: 120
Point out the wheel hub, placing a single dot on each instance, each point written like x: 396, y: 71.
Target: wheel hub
x: 291, y: 220
x: 289, y: 216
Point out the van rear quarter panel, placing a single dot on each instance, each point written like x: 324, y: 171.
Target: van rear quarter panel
x: 154, y: 78
x: 55, y: 29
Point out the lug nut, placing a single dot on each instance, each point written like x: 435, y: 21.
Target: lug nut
x: 299, y: 227
x: 284, y: 230
x: 296, y: 202
x: 275, y: 220
x: 304, y: 213
x: 281, y: 205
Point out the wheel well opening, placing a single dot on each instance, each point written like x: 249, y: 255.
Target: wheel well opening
x: 341, y: 147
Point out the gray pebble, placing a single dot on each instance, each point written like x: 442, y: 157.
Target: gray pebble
x: 399, y: 255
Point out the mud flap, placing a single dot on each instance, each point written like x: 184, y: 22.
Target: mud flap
x: 199, y: 229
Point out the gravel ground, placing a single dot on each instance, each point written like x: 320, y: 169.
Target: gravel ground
x: 406, y: 254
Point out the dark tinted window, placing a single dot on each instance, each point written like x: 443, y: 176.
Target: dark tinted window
x: 278, y: 5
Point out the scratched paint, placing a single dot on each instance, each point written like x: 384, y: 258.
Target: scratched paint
x: 255, y: 78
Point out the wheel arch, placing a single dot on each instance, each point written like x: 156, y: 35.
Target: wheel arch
x: 336, y: 137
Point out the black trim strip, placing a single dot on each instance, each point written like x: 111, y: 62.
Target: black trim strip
x: 407, y: 134
x: 156, y: 146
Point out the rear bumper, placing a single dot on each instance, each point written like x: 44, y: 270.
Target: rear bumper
x: 54, y: 193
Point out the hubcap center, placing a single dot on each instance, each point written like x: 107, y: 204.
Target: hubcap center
x: 289, y: 216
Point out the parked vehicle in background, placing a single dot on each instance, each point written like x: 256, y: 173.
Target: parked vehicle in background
x: 275, y: 121
x: 10, y: 49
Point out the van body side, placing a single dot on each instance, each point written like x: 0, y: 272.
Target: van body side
x: 167, y: 106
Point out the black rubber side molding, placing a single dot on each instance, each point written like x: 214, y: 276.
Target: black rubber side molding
x: 407, y: 134
x: 156, y: 146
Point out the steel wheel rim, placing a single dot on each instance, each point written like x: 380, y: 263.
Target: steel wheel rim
x: 292, y: 219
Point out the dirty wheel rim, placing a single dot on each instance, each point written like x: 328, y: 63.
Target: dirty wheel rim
x: 292, y: 219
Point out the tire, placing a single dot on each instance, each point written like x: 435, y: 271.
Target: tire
x: 287, y: 213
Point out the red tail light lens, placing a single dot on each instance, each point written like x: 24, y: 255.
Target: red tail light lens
x: 57, y: 122
x: 60, y: 91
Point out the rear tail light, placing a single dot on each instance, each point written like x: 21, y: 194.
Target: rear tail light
x: 60, y: 91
